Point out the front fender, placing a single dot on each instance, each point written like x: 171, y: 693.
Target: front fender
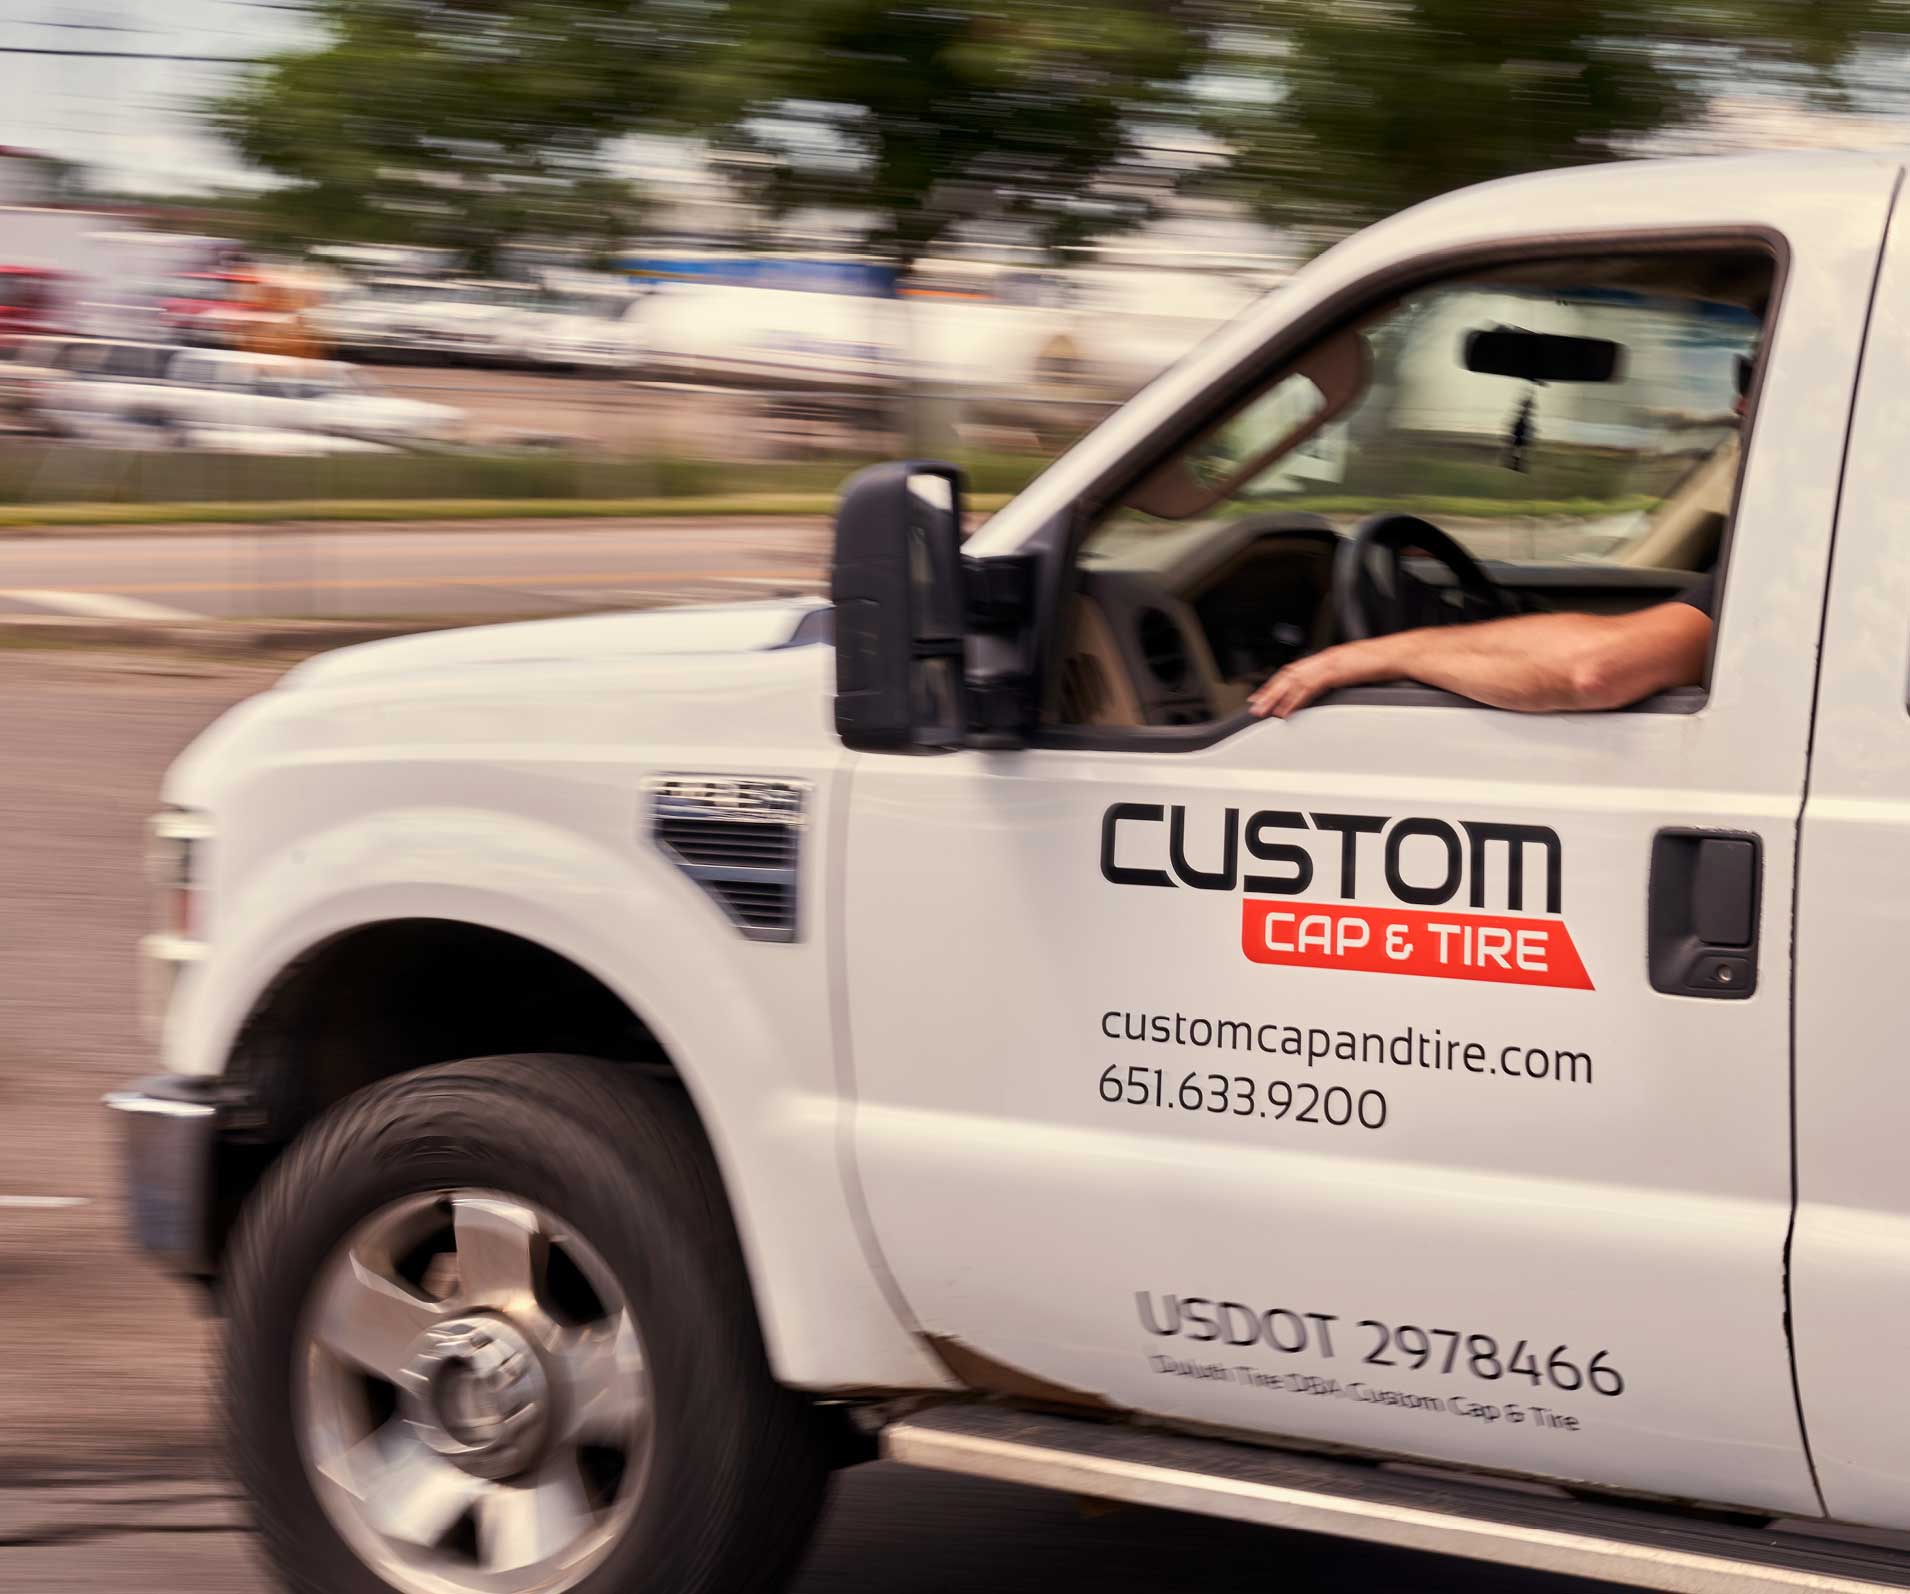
x: 747, y: 1024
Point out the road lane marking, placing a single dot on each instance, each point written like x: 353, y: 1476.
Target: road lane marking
x: 43, y: 1201
x: 96, y: 604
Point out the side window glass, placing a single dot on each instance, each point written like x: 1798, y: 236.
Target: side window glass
x: 1573, y: 426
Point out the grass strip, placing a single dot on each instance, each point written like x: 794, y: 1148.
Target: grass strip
x: 115, y: 515
x: 112, y: 516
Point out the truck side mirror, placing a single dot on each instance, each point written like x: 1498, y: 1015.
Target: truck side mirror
x: 897, y: 585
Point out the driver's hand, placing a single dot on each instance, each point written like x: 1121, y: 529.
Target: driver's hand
x: 1295, y: 685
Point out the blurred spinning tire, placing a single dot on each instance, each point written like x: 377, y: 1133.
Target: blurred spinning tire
x: 490, y: 1330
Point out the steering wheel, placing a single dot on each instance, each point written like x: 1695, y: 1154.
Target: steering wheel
x: 1373, y: 595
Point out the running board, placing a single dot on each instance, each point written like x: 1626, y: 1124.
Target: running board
x: 1541, y: 1532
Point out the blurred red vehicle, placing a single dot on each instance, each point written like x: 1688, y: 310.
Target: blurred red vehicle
x: 32, y: 300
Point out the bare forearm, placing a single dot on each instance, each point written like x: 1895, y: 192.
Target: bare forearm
x: 1533, y: 662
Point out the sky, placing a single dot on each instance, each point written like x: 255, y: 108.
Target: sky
x: 131, y: 121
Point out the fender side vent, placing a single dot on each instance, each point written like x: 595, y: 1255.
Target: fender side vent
x: 739, y: 837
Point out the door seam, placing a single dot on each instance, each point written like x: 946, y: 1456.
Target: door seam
x: 1803, y: 804
x: 848, y: 1092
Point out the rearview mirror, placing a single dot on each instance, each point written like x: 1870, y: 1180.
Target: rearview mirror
x: 897, y: 585
x: 1541, y: 356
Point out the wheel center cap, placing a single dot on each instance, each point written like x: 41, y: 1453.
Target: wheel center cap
x: 477, y: 1393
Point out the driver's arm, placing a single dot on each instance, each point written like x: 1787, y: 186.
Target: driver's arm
x: 1535, y: 662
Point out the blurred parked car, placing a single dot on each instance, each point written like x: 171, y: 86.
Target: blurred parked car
x: 364, y: 320
x: 580, y: 332
x: 425, y: 320
x: 190, y: 389
x: 472, y: 323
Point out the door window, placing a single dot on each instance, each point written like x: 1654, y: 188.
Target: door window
x: 1574, y: 425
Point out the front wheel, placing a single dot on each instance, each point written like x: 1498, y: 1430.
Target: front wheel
x: 490, y: 1332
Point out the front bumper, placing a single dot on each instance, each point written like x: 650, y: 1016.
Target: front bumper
x: 170, y: 1125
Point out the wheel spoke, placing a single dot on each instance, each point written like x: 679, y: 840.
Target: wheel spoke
x: 469, y: 1487
x: 524, y: 1524
x: 369, y: 1319
x: 406, y: 1490
x: 500, y: 1251
x: 599, y: 1371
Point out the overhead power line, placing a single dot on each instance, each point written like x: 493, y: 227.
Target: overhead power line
x: 130, y: 55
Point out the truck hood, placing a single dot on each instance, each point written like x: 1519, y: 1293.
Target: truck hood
x: 713, y: 628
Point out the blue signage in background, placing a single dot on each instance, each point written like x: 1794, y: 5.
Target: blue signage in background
x: 861, y: 279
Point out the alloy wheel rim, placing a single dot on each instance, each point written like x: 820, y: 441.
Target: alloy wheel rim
x: 473, y: 1402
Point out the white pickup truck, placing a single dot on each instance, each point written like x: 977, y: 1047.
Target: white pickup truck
x: 619, y: 1068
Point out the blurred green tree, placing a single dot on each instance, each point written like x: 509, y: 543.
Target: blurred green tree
x: 470, y: 123
x: 1341, y: 111
x: 457, y: 123
x: 1041, y: 120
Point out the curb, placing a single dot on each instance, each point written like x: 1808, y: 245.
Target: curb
x: 213, y: 636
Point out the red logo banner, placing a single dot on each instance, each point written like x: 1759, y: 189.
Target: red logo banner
x: 1431, y: 943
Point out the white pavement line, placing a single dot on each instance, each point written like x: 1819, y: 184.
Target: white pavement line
x: 39, y: 1201
x: 97, y: 605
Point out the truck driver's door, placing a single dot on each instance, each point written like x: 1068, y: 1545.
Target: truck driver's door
x: 1405, y: 1075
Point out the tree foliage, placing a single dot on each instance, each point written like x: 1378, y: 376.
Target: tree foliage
x: 1033, y: 115
x: 471, y: 122
x: 460, y: 123
x: 1340, y: 111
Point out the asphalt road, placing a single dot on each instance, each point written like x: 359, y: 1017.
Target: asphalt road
x: 109, y: 1477
x: 501, y: 569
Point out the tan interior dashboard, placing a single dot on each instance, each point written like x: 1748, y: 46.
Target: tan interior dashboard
x: 1185, y: 640
x: 1185, y: 644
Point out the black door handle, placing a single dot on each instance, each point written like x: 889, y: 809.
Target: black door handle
x: 1703, y: 912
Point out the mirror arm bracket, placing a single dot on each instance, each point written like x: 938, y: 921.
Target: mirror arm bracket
x: 1000, y: 592
x: 999, y: 711
x: 1000, y: 608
